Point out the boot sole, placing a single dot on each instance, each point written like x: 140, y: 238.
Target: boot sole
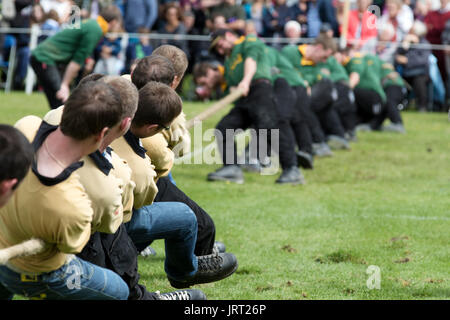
x: 223, y: 179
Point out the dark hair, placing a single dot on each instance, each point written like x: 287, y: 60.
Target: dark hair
x: 128, y: 94
x: 90, y: 108
x: 110, y: 13
x: 158, y: 104
x: 153, y: 68
x: 91, y: 77
x: 201, y: 69
x: 169, y: 6
x: 175, y: 55
x: 16, y: 154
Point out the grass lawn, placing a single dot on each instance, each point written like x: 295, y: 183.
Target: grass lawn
x: 384, y: 203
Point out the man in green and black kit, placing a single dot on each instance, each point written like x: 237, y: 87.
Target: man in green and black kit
x: 309, y: 60
x: 291, y: 99
x: 69, y: 49
x: 365, y: 75
x: 246, y: 67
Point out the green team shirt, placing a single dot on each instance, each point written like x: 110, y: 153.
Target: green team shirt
x: 309, y: 70
x: 282, y: 68
x: 71, y: 44
x: 337, y: 71
x: 246, y: 47
x: 369, y: 69
x: 389, y: 77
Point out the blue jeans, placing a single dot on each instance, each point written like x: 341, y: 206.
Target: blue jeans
x: 75, y: 280
x: 174, y: 222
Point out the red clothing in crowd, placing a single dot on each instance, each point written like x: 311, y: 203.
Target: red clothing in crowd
x: 361, y: 29
x: 435, y: 22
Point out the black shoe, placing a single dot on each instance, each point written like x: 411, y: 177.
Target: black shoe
x: 338, y: 143
x: 211, y: 268
x: 291, y: 175
x: 322, y: 150
x: 219, y: 247
x: 232, y: 173
x: 305, y: 160
x: 189, y: 294
x: 251, y: 166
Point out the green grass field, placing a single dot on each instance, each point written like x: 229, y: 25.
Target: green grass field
x: 384, y: 203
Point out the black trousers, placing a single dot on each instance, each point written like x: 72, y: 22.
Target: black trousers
x: 49, y: 78
x: 256, y: 110
x: 394, y: 97
x: 117, y: 252
x: 370, y: 107
x: 168, y: 192
x: 302, y: 130
x: 309, y: 116
x: 285, y: 100
x: 345, y: 106
x: 419, y: 85
x: 322, y: 101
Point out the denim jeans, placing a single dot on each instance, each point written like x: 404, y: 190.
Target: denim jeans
x: 174, y: 222
x: 75, y: 280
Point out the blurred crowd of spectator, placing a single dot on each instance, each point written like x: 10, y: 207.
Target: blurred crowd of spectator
x: 385, y: 27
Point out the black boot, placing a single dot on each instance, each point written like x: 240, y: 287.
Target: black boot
x: 211, y: 268
x: 291, y: 175
x: 305, y: 160
x: 231, y: 173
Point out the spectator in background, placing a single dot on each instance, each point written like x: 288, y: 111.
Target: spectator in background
x: 23, y: 9
x: 327, y: 14
x: 299, y: 13
x: 139, y: 14
x: 313, y: 17
x: 275, y: 17
x: 234, y: 14
x: 219, y: 22
x: 293, y: 31
x: 198, y: 50
x: 62, y: 7
x: 107, y: 56
x: 361, y: 24
x: 400, y: 16
x: 435, y: 22
x: 172, y: 23
x: 385, y: 48
x: 421, y: 9
x: 446, y: 41
x: 415, y: 63
x: 48, y: 22
x: 137, y: 50
x: 254, y: 11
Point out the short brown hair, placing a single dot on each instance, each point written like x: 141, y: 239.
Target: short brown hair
x: 90, y: 108
x: 153, y: 68
x: 128, y: 92
x: 201, y: 69
x: 158, y: 104
x: 110, y: 13
x: 326, y: 42
x: 176, y: 56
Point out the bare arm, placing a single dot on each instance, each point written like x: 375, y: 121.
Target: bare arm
x: 71, y: 72
x: 250, y: 67
x: 354, y: 79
